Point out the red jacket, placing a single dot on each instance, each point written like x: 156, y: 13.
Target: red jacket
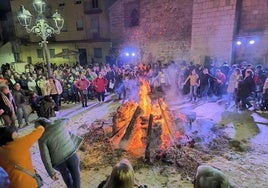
x: 82, y: 84
x: 100, y: 84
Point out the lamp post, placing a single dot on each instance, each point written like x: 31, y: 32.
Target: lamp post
x: 41, y: 27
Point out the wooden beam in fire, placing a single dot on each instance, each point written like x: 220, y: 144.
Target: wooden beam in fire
x: 149, y: 139
x: 165, y: 118
x: 130, y: 128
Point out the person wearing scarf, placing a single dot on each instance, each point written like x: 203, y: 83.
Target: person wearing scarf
x: 7, y: 104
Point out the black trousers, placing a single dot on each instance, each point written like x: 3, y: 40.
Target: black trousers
x: 101, y: 96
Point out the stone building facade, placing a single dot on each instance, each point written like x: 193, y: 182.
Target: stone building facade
x: 157, y: 30
x: 252, y: 25
x: 85, y: 30
x: 212, y: 30
x: 192, y: 30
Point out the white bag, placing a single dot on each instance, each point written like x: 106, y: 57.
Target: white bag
x: 111, y: 85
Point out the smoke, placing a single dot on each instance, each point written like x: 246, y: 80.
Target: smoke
x: 132, y: 89
x: 174, y: 81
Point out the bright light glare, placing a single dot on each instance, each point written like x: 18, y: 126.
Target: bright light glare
x: 238, y: 43
x: 133, y: 54
x: 251, y: 41
x: 127, y: 54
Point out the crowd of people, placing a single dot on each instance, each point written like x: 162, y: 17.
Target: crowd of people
x: 239, y: 84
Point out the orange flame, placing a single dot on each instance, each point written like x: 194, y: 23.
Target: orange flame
x: 145, y: 101
x: 138, y: 142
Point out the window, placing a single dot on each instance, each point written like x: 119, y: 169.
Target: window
x: 79, y: 25
x: 40, y: 53
x: 77, y: 2
x: 61, y: 3
x: 97, y: 52
x: 132, y: 14
x: 94, y: 27
x: 52, y: 52
x: 95, y: 4
x: 134, y: 18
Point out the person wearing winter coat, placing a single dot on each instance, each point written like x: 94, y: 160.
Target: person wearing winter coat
x: 82, y: 85
x: 58, y: 150
x: 20, y: 100
x: 194, y: 84
x: 246, y: 90
x: 234, y: 80
x: 209, y: 176
x: 205, y: 80
x: 100, y: 85
x: 54, y: 89
x: 264, y: 105
x: 7, y: 104
x: 16, y: 150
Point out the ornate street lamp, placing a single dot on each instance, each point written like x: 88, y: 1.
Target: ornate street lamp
x: 41, y: 27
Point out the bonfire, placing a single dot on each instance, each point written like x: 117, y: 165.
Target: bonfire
x: 143, y: 127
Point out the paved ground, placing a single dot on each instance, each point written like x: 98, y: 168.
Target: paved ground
x: 71, y: 111
x: 91, y: 178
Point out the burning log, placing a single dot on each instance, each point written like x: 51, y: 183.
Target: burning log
x: 165, y: 118
x: 167, y: 126
x: 149, y: 138
x: 121, y: 118
x: 126, y: 138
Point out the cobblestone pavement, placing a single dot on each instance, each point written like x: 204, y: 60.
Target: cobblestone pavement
x: 89, y: 179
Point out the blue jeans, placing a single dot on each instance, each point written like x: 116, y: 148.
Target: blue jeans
x: 56, y: 99
x: 21, y: 113
x: 70, y: 171
x: 193, y: 92
x: 204, y: 91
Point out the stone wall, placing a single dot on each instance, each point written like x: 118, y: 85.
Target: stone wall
x: 162, y: 31
x: 194, y: 30
x: 212, y: 30
x: 254, y: 16
x: 252, y: 25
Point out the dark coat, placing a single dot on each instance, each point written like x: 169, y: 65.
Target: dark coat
x: 247, y: 87
x: 7, y: 110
